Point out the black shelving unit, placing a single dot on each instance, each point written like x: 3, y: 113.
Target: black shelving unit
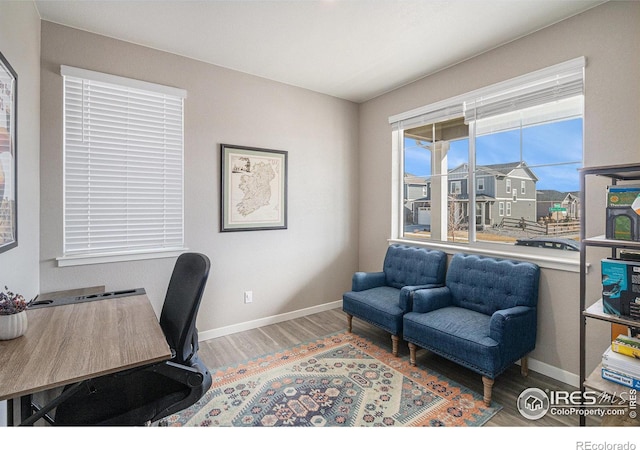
x: 594, y: 310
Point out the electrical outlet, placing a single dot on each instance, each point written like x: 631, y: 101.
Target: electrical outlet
x: 248, y: 296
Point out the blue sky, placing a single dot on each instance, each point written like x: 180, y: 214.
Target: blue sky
x: 552, y: 143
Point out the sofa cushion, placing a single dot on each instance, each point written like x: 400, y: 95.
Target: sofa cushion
x: 458, y: 334
x: 379, y: 306
x: 486, y: 284
x: 413, y: 266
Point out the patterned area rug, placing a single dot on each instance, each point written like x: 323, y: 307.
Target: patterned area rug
x: 341, y: 380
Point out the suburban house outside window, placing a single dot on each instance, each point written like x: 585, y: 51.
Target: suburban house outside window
x: 123, y: 168
x: 526, y: 131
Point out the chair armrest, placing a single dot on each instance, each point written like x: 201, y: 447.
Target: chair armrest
x: 425, y: 300
x: 187, y: 375
x: 362, y: 281
x: 406, y: 295
x: 515, y: 328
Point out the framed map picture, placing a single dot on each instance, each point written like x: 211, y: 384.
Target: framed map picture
x: 8, y: 156
x: 254, y: 188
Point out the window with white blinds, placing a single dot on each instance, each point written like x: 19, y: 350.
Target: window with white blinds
x: 465, y: 165
x: 123, y: 166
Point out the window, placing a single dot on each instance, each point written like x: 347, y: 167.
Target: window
x: 527, y: 130
x: 123, y: 168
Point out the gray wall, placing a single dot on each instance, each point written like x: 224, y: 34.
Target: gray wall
x: 20, y: 45
x: 609, y: 37
x: 308, y: 264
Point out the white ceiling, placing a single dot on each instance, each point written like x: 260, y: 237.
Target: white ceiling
x: 352, y: 49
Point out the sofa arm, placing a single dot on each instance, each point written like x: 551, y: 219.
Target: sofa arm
x: 425, y: 300
x: 362, y: 281
x: 516, y: 328
x: 407, y: 292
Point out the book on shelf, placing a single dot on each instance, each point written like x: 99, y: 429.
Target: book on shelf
x: 630, y: 255
x: 626, y: 345
x: 623, y: 212
x: 622, y: 364
x: 621, y: 287
x: 620, y: 378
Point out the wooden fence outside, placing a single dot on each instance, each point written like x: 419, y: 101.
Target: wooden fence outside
x: 547, y: 229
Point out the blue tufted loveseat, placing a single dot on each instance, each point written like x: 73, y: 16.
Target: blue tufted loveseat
x: 382, y: 298
x: 484, y: 318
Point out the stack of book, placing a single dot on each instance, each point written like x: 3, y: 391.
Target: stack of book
x: 621, y: 362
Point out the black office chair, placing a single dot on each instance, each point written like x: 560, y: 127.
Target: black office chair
x: 145, y: 395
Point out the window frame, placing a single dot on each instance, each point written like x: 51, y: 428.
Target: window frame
x: 571, y: 71
x: 128, y: 90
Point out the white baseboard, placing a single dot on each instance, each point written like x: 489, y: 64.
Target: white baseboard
x: 535, y: 365
x: 244, y: 326
x: 554, y: 372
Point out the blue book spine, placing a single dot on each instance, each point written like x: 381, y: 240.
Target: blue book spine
x: 619, y: 378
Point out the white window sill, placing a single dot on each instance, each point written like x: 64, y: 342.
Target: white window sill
x: 545, y: 258
x: 100, y: 258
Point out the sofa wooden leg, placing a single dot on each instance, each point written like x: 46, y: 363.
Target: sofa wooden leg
x: 394, y: 344
x: 488, y: 387
x: 412, y: 353
x: 349, y: 322
x: 524, y: 366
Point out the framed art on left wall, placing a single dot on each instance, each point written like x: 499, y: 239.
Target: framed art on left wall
x: 8, y: 156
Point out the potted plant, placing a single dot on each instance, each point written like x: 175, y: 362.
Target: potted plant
x: 13, y: 314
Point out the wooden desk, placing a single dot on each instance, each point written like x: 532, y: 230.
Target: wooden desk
x: 70, y: 343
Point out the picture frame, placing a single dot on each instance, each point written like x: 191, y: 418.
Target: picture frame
x: 8, y: 156
x: 253, y: 192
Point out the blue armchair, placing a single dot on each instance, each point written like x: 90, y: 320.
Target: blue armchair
x: 484, y: 318
x: 382, y: 298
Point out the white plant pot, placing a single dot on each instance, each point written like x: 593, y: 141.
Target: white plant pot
x: 13, y: 325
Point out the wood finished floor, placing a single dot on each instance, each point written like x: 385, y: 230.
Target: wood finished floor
x: 235, y: 348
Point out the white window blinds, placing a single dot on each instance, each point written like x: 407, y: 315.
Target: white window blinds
x: 123, y: 165
x: 559, y: 82
x: 562, y: 82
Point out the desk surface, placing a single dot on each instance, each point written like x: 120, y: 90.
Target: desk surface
x: 70, y: 343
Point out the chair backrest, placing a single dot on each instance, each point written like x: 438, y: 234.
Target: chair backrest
x: 414, y: 266
x: 487, y: 284
x: 181, y: 304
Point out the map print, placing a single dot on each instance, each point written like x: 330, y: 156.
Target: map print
x: 255, y: 189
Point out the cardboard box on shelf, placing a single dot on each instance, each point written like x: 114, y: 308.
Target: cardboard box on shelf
x: 621, y: 288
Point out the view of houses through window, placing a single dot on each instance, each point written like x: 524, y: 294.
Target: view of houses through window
x: 523, y: 164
